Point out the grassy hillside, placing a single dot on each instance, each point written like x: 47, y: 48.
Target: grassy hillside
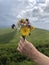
x: 8, y: 44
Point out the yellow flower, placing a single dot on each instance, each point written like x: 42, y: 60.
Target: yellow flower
x: 25, y: 31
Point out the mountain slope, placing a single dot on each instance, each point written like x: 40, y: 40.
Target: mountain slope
x: 9, y: 41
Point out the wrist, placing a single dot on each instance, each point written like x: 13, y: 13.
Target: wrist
x: 35, y: 53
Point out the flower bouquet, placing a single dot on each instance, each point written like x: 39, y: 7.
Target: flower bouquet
x: 25, y: 27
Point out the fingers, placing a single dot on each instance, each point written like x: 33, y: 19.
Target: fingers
x: 22, y: 39
x: 18, y: 49
x: 20, y: 46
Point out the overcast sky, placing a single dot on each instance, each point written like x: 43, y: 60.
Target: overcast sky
x: 36, y: 10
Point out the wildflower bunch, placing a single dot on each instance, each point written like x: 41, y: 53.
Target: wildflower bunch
x: 25, y: 27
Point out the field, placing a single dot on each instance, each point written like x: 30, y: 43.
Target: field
x: 9, y: 41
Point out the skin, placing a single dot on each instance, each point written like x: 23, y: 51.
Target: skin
x: 28, y: 49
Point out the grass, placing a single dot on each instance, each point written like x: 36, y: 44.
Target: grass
x: 9, y: 41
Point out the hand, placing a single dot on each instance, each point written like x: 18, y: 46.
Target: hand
x: 25, y: 47
x: 30, y: 51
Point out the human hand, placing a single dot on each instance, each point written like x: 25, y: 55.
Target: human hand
x: 26, y: 48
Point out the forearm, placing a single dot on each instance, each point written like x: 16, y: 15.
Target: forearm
x: 39, y: 58
x: 29, y: 50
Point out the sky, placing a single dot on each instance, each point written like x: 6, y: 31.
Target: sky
x: 37, y: 11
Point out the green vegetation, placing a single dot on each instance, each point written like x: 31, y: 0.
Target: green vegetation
x: 9, y: 41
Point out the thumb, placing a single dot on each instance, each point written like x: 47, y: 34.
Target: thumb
x: 22, y: 39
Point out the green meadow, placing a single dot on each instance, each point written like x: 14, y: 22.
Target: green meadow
x: 9, y: 39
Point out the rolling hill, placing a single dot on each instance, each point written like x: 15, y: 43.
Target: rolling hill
x: 9, y: 41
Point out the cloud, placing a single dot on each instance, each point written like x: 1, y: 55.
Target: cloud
x: 31, y: 0
x: 47, y: 1
x: 37, y: 14
x: 36, y: 10
x: 40, y: 1
x: 9, y: 9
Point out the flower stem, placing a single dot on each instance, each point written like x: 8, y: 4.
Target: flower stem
x: 23, y: 37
